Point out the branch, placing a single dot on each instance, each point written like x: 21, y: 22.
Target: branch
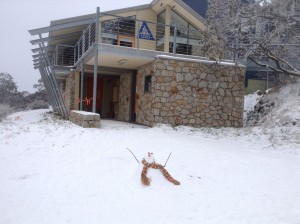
x: 133, y: 155
x: 167, y: 160
x: 277, y: 61
x: 264, y: 65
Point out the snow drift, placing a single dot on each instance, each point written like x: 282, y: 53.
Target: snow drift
x: 53, y: 171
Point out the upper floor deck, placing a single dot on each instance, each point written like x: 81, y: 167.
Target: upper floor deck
x: 124, y: 38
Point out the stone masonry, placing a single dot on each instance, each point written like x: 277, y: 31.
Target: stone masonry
x: 68, y: 94
x: 124, y: 97
x: 195, y: 93
x: 85, y: 119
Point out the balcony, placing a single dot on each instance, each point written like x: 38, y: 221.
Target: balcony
x: 125, y: 42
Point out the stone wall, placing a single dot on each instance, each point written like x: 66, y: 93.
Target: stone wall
x: 144, y: 111
x: 68, y: 92
x: 196, y: 93
x: 85, y: 119
x: 125, y: 97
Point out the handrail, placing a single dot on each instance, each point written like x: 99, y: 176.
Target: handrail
x: 140, y: 35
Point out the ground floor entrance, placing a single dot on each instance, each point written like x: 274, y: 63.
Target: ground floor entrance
x: 115, y: 96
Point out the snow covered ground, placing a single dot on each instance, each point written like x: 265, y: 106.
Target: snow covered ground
x: 54, y: 172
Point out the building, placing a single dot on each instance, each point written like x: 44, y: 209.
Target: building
x: 145, y: 64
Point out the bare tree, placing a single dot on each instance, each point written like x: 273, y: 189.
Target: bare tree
x: 264, y: 31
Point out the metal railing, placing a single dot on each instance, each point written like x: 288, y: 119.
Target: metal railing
x: 63, y: 55
x: 130, y: 32
x: 85, y: 41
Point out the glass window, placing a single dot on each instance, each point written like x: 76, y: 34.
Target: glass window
x: 160, y: 31
x: 181, y: 24
x: 113, y: 29
x: 161, y: 18
x: 185, y: 38
x: 188, y: 40
x: 147, y: 87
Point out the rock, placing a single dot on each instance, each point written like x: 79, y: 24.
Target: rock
x: 194, y: 83
x: 179, y: 77
x: 258, y: 92
x: 188, y: 77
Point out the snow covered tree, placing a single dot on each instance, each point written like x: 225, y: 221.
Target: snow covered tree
x: 263, y: 31
x: 39, y: 86
x: 8, y: 88
x: 10, y: 99
x: 38, y: 100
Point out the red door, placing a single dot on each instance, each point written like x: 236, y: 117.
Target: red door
x: 89, y: 94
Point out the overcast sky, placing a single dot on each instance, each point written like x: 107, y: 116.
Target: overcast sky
x: 19, y: 16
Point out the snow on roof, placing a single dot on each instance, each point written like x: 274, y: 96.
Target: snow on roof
x: 206, y: 61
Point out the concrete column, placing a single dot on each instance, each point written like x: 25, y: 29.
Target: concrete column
x: 96, y: 60
x: 76, y: 90
x: 81, y: 84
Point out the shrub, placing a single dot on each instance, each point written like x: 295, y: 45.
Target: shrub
x: 5, y: 110
x: 39, y: 104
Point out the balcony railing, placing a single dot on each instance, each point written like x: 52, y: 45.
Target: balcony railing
x: 63, y: 55
x: 85, y: 41
x: 130, y: 32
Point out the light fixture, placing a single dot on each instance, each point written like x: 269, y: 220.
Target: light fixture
x: 122, y: 61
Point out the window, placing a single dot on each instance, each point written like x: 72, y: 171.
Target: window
x: 160, y: 31
x: 188, y: 39
x: 119, y: 31
x: 147, y: 87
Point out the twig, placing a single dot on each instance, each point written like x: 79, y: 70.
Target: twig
x: 133, y: 155
x: 167, y: 160
x: 269, y: 147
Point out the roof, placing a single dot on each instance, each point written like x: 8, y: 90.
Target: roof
x: 199, y: 6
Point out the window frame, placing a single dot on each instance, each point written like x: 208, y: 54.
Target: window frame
x: 147, y: 83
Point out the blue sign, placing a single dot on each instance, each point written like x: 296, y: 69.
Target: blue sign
x: 145, y: 32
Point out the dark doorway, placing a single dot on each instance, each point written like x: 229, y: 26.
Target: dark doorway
x: 107, y: 101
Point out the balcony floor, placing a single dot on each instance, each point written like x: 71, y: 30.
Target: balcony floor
x: 122, y: 57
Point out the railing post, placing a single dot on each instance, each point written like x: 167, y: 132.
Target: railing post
x: 118, y: 29
x: 138, y: 35
x: 81, y: 84
x: 83, y: 42
x: 62, y: 58
x: 89, y: 35
x: 78, y: 49
x: 96, y: 60
x: 74, y: 50
x: 56, y: 55
x: 174, y: 40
